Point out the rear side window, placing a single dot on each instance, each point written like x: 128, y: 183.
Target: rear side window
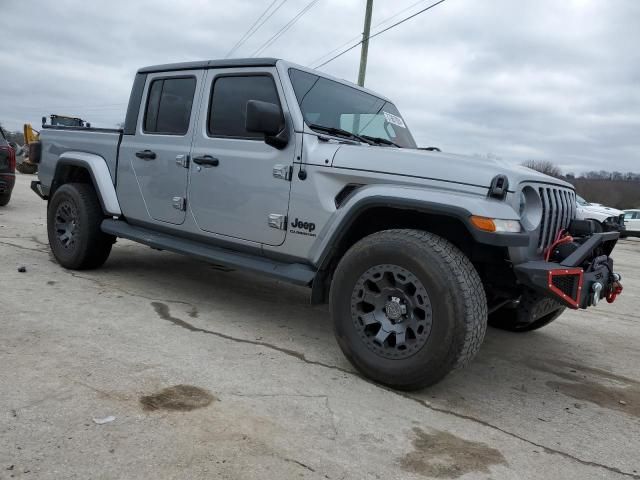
x: 228, y: 104
x: 169, y: 105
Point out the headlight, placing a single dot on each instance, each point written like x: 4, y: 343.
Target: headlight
x: 530, y: 208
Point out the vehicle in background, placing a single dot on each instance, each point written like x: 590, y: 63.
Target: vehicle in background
x: 7, y: 169
x: 32, y: 150
x: 266, y: 166
x: 607, y: 219
x: 631, y: 223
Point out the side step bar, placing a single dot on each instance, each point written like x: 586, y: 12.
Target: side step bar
x: 296, y: 273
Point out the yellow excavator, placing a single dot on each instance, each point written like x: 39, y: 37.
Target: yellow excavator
x: 32, y: 146
x: 32, y: 139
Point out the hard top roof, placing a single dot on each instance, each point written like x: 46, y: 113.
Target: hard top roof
x: 228, y: 63
x: 249, y: 62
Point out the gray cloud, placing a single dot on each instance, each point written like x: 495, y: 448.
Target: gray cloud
x: 529, y: 79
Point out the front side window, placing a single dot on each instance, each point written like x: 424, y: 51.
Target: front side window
x: 330, y: 104
x: 228, y: 104
x: 169, y: 105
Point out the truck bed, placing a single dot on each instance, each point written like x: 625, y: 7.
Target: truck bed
x: 57, y: 140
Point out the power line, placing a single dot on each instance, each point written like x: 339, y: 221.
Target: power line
x: 382, y: 22
x: 284, y: 29
x: 246, y: 34
x: 251, y: 31
x: 381, y: 32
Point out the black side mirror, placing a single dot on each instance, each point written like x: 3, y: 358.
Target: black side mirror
x: 267, y: 118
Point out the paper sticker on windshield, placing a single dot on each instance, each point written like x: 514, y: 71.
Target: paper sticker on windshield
x: 394, y: 120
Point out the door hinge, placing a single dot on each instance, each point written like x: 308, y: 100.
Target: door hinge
x: 180, y: 203
x: 277, y: 220
x: 182, y: 160
x: 282, y: 171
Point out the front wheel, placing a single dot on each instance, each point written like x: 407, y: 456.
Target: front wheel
x: 4, y: 199
x: 408, y: 307
x: 74, y: 216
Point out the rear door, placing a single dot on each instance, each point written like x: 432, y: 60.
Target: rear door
x: 158, y: 152
x: 244, y: 191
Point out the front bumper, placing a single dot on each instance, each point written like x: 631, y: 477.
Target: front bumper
x: 614, y: 224
x: 569, y: 282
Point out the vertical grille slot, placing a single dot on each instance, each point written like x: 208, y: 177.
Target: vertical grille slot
x: 558, y: 208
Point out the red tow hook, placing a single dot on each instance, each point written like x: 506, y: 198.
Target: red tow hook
x: 616, y: 289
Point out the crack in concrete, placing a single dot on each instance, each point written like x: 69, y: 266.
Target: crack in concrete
x: 291, y: 460
x: 162, y: 310
x: 193, y: 312
x: 22, y: 247
x: 306, y: 467
x: 333, y: 417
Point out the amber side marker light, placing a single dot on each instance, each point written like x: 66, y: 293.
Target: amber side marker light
x: 495, y: 225
x: 483, y: 223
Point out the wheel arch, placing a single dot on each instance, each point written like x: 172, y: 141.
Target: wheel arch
x: 375, y: 213
x: 84, y: 167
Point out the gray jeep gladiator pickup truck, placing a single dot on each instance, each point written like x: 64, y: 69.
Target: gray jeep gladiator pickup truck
x: 262, y: 165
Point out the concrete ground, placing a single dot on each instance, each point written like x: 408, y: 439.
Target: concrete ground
x: 278, y: 399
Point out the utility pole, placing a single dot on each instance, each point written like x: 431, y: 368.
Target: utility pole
x: 365, y: 43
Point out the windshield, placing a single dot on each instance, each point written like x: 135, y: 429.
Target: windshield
x: 581, y: 201
x: 334, y: 105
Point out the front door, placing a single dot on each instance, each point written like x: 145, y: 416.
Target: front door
x: 632, y: 221
x: 239, y: 186
x: 158, y: 153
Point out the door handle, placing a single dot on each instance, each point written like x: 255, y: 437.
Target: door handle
x: 207, y: 161
x: 146, y: 155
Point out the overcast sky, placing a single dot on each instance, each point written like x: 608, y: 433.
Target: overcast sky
x: 519, y: 79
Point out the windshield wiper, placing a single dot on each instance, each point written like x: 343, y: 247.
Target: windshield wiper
x: 384, y: 141
x: 340, y: 132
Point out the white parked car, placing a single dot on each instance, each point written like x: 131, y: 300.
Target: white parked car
x: 609, y: 218
x: 632, y: 222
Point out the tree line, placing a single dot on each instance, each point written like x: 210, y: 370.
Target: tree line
x: 614, y: 189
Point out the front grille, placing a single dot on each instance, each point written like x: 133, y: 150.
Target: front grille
x: 558, y: 208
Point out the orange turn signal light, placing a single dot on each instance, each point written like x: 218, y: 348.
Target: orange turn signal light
x: 483, y: 223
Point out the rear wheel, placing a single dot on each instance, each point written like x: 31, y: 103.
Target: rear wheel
x: 4, y: 199
x: 74, y: 216
x: 408, y: 307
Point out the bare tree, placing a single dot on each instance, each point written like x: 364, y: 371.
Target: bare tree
x: 544, y: 166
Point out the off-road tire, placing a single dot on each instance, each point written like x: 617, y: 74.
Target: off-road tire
x: 4, y: 199
x: 90, y: 247
x: 457, y: 301
x: 520, y: 319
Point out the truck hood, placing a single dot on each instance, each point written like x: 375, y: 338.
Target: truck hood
x: 601, y: 209
x: 451, y: 168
